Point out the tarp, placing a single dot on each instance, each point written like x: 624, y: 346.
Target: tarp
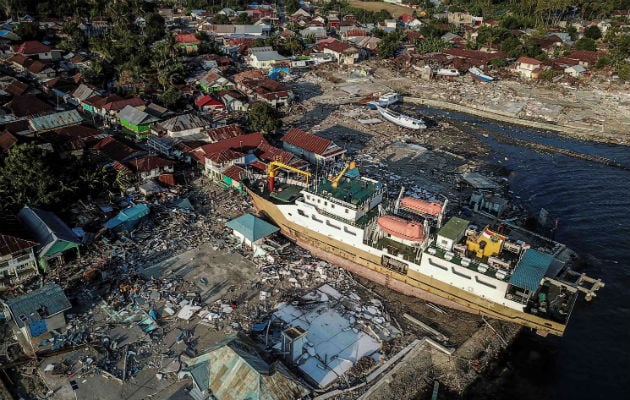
x: 128, y: 218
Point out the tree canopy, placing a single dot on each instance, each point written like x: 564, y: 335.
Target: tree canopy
x: 264, y: 118
x: 34, y: 176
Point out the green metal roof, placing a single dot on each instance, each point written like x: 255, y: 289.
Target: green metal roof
x: 251, y: 227
x: 531, y: 269
x: 454, y: 228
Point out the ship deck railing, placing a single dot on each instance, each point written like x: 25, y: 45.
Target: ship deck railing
x: 473, y: 265
x: 362, y: 222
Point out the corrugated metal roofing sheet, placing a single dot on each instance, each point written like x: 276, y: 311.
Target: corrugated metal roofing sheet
x: 56, y: 120
x: 26, y: 309
x: 306, y: 141
x: 251, y: 227
x: 135, y: 116
x: 531, y: 269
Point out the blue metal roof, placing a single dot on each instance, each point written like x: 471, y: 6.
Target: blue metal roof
x: 128, y: 218
x: 251, y: 227
x: 531, y: 269
x: 28, y: 308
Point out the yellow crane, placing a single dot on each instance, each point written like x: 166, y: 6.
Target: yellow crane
x: 273, y: 166
x: 335, y: 181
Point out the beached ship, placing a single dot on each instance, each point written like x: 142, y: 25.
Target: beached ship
x: 400, y: 119
x: 408, y: 245
x: 479, y: 75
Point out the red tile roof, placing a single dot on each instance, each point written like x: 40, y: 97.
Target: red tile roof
x: 253, y: 74
x: 167, y: 179
x: 271, y: 153
x: 149, y: 163
x: 475, y: 57
x: 307, y: 141
x: 17, y: 88
x: 406, y: 18
x: 208, y: 101
x: 337, y: 46
x: 187, y: 38
x: 584, y: 55
x: 11, y: 244
x: 225, y: 132
x: 120, y: 104
x: 238, y: 143
x: 37, y: 67
x: 235, y: 173
x: 28, y: 104
x: 113, y: 148
x: 528, y: 60
x: 7, y: 140
x: 121, y: 167
x: 224, y: 156
x: 31, y: 47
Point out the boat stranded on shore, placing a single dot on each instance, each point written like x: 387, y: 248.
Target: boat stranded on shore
x: 410, y: 246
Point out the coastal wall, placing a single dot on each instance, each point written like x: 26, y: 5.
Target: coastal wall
x: 585, y: 132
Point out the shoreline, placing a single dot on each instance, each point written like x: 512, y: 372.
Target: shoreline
x: 572, y: 132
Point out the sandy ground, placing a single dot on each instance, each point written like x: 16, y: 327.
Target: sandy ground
x: 394, y: 9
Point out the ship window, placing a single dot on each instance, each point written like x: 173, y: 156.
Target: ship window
x: 308, y: 197
x: 431, y: 262
x: 325, y: 203
x: 315, y: 219
x: 302, y: 213
x: 331, y: 225
x: 332, y: 205
x: 485, y: 283
x: 319, y: 200
x: 460, y: 274
x: 345, y: 229
x: 346, y: 211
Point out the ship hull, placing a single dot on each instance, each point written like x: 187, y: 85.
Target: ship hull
x: 412, y: 283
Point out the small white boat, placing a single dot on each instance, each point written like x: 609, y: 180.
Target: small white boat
x: 385, y: 100
x: 401, y: 119
x: 479, y: 75
x: 447, y: 72
x: 389, y: 99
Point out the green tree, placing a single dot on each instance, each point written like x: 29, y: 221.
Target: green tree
x: 34, y: 176
x: 264, y: 118
x: 243, y: 19
x: 28, y: 31
x: 28, y: 177
x: 154, y: 29
x: 389, y: 45
x: 623, y: 71
x: 221, y: 19
x: 512, y: 47
x: 602, y: 61
x: 291, y: 6
x: 593, y: 32
x: 586, y: 44
x: 572, y: 31
x: 171, y: 97
x: 432, y: 45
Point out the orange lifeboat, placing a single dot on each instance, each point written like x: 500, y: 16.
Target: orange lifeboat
x: 395, y: 226
x: 421, y: 206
